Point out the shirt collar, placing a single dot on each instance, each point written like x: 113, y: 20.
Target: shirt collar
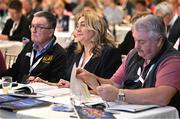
x: 44, y: 49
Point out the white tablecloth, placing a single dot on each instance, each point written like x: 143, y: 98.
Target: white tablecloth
x: 47, y: 112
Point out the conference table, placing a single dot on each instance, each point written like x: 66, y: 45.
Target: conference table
x: 47, y: 112
x: 15, y: 47
x: 121, y: 31
x: 11, y: 47
x: 63, y: 38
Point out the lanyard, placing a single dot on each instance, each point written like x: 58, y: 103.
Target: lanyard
x: 32, y: 66
x: 81, y: 65
x: 140, y: 74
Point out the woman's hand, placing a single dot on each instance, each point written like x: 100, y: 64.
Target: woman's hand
x: 63, y: 83
x: 87, y: 77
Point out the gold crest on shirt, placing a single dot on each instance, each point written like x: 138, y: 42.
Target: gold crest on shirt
x: 47, y: 59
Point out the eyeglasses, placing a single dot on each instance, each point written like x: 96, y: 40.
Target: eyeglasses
x: 38, y: 27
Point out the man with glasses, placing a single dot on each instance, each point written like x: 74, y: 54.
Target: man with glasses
x: 149, y: 75
x: 42, y: 57
x: 17, y: 26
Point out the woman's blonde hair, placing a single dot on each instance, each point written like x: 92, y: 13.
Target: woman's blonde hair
x: 101, y: 35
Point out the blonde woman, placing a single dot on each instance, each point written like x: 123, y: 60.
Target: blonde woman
x: 94, y: 48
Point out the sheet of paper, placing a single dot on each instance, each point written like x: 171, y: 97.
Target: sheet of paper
x: 37, y: 87
x: 78, y: 87
x: 59, y: 92
x: 62, y: 100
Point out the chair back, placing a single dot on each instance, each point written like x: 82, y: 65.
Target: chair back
x: 10, y: 59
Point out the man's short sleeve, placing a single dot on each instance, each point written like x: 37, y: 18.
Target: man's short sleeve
x: 168, y: 72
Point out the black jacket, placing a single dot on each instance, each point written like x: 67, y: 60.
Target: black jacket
x: 174, y: 32
x: 103, y: 66
x: 127, y: 44
x: 21, y: 31
x: 51, y: 66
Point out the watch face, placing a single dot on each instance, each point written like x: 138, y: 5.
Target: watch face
x: 120, y: 97
x: 121, y: 92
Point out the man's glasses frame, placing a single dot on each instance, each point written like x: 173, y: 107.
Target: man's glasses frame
x: 38, y: 27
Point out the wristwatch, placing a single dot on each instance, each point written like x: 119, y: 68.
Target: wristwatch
x: 121, y: 96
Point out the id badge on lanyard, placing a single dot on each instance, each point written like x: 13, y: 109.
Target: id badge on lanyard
x: 32, y: 66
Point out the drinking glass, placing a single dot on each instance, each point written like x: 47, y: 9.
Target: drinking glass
x: 6, y: 84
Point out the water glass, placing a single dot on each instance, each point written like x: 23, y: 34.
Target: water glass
x: 6, y: 84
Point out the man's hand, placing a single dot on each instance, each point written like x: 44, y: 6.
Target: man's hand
x: 107, y: 92
x: 33, y: 79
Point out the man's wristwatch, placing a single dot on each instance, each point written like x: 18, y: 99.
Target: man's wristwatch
x: 121, y: 96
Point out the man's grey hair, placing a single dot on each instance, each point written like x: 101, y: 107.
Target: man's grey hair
x: 163, y: 9
x: 51, y: 19
x: 151, y: 24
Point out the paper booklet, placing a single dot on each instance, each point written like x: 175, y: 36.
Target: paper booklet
x: 32, y: 89
x: 23, y: 104
x: 78, y: 88
x: 130, y: 107
x: 7, y: 98
x: 92, y: 113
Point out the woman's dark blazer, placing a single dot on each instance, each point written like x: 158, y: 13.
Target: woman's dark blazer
x: 103, y: 66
